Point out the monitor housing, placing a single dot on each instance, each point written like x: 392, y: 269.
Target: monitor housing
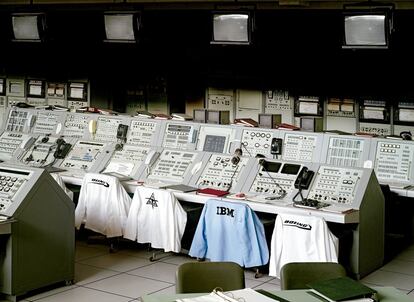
x: 28, y: 27
x: 232, y: 28
x: 369, y: 29
x: 122, y: 27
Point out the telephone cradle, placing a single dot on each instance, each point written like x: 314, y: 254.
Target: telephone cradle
x: 310, y: 204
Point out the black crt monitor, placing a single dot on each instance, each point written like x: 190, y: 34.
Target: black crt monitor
x: 121, y: 27
x: 28, y: 27
x: 366, y: 30
x: 232, y: 28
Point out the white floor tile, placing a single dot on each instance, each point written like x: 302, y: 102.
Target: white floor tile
x: 81, y: 294
x: 141, y: 252
x: 274, y: 281
x: 84, y: 252
x: 253, y: 283
x: 178, y: 259
x: 269, y: 286
x: 400, y: 266
x: 128, y: 274
x: 158, y: 271
x: 85, y: 274
x: 128, y: 285
x: 117, y: 262
x: 49, y: 292
x: 383, y: 278
x: 407, y: 255
x: 250, y: 274
x: 166, y: 291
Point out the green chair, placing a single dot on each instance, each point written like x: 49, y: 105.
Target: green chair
x: 296, y: 275
x: 203, y: 277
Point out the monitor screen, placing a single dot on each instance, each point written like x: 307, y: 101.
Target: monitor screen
x: 290, y: 169
x: 269, y: 166
x: 119, y: 27
x: 231, y: 28
x: 26, y: 27
x: 366, y: 31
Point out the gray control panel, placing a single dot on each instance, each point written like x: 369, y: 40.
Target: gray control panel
x: 12, y: 144
x: 87, y: 156
x: 273, y: 175
x: 76, y: 125
x: 48, y: 122
x: 346, y: 151
x: 257, y: 141
x: 173, y: 166
x: 180, y: 136
x: 20, y: 120
x: 394, y: 161
x: 336, y: 185
x: 143, y: 133
x: 302, y: 147
x: 127, y: 161
x: 107, y: 128
x: 220, y: 173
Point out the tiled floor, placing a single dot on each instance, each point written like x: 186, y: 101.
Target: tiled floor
x: 128, y: 274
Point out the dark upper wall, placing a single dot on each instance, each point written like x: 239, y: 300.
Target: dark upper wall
x: 299, y: 50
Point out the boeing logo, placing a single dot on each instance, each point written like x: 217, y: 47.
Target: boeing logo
x: 293, y: 223
x: 100, y: 182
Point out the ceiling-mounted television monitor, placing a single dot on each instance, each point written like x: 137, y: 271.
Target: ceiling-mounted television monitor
x: 121, y: 27
x: 28, y: 27
x: 232, y: 28
x: 366, y: 30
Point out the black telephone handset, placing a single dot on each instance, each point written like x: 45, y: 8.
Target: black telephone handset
x: 121, y: 133
x: 62, y: 149
x: 276, y: 146
x: 304, y: 178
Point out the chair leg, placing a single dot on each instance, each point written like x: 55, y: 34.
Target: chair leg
x: 113, y: 244
x: 155, y: 253
x: 257, y: 273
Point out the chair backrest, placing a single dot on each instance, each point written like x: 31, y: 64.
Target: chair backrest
x: 296, y: 275
x: 203, y: 277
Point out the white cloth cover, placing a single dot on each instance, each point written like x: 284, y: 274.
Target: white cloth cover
x: 156, y: 217
x: 103, y: 204
x: 60, y: 182
x: 301, y: 239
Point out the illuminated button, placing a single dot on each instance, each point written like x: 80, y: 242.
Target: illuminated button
x: 14, y: 179
x: 6, y: 189
x: 8, y: 178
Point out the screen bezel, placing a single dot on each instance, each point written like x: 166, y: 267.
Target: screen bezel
x: 367, y: 13
x: 136, y: 25
x: 40, y: 22
x: 225, y: 42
